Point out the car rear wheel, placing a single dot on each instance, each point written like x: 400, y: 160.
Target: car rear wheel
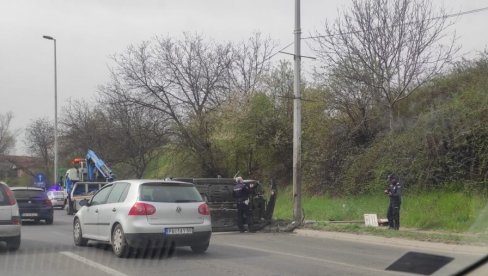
x: 49, y: 220
x: 201, y: 248
x: 78, y: 235
x: 14, y: 243
x: 119, y: 243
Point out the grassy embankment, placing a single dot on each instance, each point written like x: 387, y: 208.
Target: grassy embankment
x: 444, y: 216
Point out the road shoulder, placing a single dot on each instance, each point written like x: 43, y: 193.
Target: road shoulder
x: 396, y: 242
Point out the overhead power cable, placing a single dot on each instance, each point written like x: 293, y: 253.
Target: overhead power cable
x: 434, y: 18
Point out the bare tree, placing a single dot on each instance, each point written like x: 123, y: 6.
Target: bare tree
x: 86, y: 126
x: 279, y: 86
x: 352, y: 98
x: 7, y: 139
x: 250, y: 63
x: 39, y: 139
x: 391, y: 46
x: 184, y: 80
x: 139, y: 133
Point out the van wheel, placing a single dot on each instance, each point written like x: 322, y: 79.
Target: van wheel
x: 78, y: 234
x: 119, y: 243
x: 49, y: 220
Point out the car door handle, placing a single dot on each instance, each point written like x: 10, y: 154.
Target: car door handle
x: 114, y: 210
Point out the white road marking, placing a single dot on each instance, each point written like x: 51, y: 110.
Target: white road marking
x: 91, y: 263
x: 317, y: 260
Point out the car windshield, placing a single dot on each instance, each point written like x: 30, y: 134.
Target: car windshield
x: 154, y: 192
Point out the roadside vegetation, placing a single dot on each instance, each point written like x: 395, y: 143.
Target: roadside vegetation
x: 446, y: 211
x: 451, y: 217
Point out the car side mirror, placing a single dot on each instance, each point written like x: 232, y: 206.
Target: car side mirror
x: 84, y: 202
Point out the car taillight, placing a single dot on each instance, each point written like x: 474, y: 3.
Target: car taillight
x: 11, y: 197
x: 142, y: 209
x: 203, y: 209
x: 48, y: 202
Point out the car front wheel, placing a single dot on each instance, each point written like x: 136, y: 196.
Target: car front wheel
x: 78, y: 234
x: 119, y: 243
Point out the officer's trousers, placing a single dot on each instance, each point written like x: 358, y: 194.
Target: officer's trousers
x: 393, y: 216
x: 244, y: 216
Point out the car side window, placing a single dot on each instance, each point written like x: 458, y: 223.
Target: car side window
x: 118, y: 193
x: 101, y: 196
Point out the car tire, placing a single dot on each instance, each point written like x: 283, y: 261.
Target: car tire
x: 199, y: 249
x: 50, y: 220
x: 119, y: 244
x: 14, y: 243
x: 78, y: 234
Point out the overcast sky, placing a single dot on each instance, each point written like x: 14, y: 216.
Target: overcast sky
x: 88, y: 32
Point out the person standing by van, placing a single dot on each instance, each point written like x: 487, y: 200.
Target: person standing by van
x: 241, y: 193
x: 394, y: 191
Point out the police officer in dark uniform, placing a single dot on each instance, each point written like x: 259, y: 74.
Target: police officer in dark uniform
x: 241, y: 194
x: 394, y: 191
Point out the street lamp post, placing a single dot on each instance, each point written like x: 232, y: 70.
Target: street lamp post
x: 55, y: 112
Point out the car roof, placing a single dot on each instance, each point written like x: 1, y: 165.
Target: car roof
x: 149, y: 181
x: 26, y: 188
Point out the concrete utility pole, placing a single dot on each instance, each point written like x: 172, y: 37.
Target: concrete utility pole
x: 55, y: 112
x: 297, y: 127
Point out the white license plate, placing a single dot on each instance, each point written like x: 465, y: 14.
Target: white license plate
x: 29, y: 214
x: 178, y: 231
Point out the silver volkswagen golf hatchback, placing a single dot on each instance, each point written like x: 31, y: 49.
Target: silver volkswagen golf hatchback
x: 144, y: 214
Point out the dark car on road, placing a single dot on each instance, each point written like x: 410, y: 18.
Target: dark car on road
x: 34, y: 204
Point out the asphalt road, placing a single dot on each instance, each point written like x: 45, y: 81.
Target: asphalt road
x: 49, y: 250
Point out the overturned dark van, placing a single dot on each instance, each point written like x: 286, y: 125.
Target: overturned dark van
x: 218, y: 194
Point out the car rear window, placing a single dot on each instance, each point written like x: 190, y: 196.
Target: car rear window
x: 29, y: 194
x: 172, y: 192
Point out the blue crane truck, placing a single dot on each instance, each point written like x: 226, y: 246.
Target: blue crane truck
x: 89, y: 170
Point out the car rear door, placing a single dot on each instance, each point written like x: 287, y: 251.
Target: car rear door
x: 113, y: 205
x: 175, y: 203
x: 90, y: 213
